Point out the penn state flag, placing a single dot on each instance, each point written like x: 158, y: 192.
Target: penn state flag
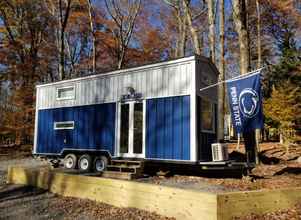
x: 245, y: 100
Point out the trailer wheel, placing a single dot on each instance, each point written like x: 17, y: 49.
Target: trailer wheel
x: 100, y: 163
x: 70, y: 161
x: 85, y: 162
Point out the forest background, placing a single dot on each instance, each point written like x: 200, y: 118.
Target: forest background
x: 50, y: 40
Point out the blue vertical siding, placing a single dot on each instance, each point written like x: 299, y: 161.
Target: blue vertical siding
x: 94, y: 128
x: 169, y: 140
x: 168, y: 128
x: 176, y: 129
x: 186, y: 127
x: 151, y: 119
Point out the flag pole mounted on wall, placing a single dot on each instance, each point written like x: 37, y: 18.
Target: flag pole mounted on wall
x: 236, y: 77
x: 245, y: 102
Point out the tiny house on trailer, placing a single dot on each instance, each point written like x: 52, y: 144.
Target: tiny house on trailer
x: 153, y: 112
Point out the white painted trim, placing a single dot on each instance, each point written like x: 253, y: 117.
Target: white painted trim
x: 117, y: 125
x: 131, y: 129
x: 144, y: 129
x: 131, y: 153
x: 193, y: 115
x: 129, y: 71
x: 35, y: 143
x: 68, y: 97
x: 56, y: 123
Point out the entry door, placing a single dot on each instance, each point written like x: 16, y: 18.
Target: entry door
x: 131, y: 130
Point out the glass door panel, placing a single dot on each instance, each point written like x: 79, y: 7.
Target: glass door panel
x: 138, y: 128
x: 124, y: 128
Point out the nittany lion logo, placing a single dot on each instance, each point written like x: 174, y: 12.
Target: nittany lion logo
x: 248, y: 102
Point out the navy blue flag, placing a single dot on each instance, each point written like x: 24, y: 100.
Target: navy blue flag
x: 245, y: 100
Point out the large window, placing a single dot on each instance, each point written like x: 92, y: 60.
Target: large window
x: 207, y: 116
x: 63, y: 125
x: 65, y: 93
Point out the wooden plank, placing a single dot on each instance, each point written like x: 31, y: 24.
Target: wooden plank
x: 261, y: 201
x: 168, y: 201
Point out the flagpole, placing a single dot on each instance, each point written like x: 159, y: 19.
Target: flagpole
x: 234, y: 78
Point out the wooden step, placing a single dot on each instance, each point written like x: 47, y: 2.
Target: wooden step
x: 121, y: 168
x: 119, y: 175
x: 125, y: 165
x: 127, y: 162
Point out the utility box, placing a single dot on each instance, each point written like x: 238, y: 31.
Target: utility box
x: 219, y: 151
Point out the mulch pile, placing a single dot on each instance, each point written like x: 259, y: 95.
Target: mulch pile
x: 74, y: 208
x: 287, y: 214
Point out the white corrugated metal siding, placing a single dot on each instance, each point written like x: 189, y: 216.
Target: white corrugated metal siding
x: 172, y: 78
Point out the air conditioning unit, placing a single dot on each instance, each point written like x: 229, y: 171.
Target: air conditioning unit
x: 219, y: 152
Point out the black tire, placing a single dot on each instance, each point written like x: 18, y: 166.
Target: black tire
x: 100, y: 163
x: 85, y: 163
x: 55, y: 163
x: 70, y: 161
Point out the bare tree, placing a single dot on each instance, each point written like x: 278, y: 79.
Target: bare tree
x: 181, y: 42
x: 124, y: 14
x: 194, y: 34
x: 185, y: 18
x: 221, y: 88
x: 259, y: 61
x: 64, y: 12
x: 211, y: 21
x: 60, y: 10
x: 90, y: 11
x: 259, y: 53
x: 182, y: 27
x: 240, y: 22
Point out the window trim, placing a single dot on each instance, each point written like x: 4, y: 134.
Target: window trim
x: 61, y: 123
x: 68, y: 97
x: 213, y: 117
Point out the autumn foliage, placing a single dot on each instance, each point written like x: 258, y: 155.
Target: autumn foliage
x: 50, y: 40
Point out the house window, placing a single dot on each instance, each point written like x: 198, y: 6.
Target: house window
x: 65, y: 93
x: 207, y: 116
x: 63, y: 125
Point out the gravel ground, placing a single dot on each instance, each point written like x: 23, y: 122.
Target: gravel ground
x: 187, y: 182
x: 23, y: 202
x: 19, y: 202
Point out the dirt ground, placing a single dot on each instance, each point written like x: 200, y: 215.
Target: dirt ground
x: 279, y: 170
x: 22, y: 202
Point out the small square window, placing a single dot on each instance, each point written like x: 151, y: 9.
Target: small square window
x: 63, y: 125
x: 207, y: 116
x: 65, y: 93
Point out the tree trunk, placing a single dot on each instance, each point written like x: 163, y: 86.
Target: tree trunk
x: 259, y: 61
x: 182, y: 36
x: 121, y: 59
x: 211, y: 21
x: 193, y: 31
x: 259, y: 54
x: 221, y: 88
x: 240, y: 22
x: 240, y: 17
x: 63, y: 20
x: 93, y: 36
x: 61, y: 43
x: 61, y: 53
